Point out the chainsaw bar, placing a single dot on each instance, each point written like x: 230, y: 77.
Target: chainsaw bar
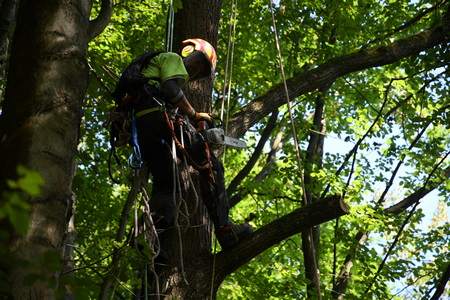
x: 217, y: 136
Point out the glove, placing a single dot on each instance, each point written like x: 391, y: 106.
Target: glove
x: 198, y: 116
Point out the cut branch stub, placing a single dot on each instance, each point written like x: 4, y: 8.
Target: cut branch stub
x: 280, y: 229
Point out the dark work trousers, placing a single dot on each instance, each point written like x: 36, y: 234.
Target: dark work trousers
x: 155, y: 141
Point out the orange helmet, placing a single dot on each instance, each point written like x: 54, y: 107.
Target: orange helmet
x: 191, y: 45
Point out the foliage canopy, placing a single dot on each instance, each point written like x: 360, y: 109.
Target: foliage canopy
x: 397, y: 115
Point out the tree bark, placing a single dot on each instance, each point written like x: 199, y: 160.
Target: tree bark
x: 8, y: 9
x: 46, y: 84
x: 68, y: 251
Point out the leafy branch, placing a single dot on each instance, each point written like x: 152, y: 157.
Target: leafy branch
x: 326, y: 74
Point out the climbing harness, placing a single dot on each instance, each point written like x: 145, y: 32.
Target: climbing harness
x: 149, y: 110
x: 135, y: 159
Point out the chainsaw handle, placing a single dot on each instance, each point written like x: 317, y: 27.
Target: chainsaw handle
x: 202, y: 125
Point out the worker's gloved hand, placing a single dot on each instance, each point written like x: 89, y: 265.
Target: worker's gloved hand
x: 199, y: 116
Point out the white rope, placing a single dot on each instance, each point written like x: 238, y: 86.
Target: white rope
x: 294, y: 132
x: 226, y: 95
x: 289, y: 105
x: 155, y: 244
x: 230, y: 48
x: 170, y: 25
x: 174, y: 199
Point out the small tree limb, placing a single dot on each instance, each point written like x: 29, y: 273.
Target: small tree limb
x: 97, y: 25
x: 109, y: 281
x: 414, y: 197
x: 256, y: 154
x: 408, y: 23
x: 344, y: 275
x: 265, y: 171
x: 277, y: 144
x: 391, y: 248
x: 340, y: 284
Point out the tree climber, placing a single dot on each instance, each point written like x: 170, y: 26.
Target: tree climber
x: 161, y: 77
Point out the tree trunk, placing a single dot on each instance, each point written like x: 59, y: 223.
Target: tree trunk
x: 311, y: 237
x: 187, y: 247
x: 47, y: 80
x: 8, y: 10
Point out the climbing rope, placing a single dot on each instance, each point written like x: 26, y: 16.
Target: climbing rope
x: 148, y: 230
x: 289, y: 104
x: 294, y: 132
x: 227, y: 83
x: 229, y: 61
x: 169, y: 28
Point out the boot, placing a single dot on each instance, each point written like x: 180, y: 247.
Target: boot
x: 230, y: 234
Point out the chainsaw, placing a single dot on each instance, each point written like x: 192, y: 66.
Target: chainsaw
x: 216, y: 136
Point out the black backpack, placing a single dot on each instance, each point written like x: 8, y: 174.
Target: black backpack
x: 134, y: 84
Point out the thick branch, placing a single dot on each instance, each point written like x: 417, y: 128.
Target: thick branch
x: 310, y: 237
x: 440, y: 286
x: 340, y: 285
x: 325, y: 74
x: 97, y: 25
x: 280, y: 229
x: 256, y: 154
